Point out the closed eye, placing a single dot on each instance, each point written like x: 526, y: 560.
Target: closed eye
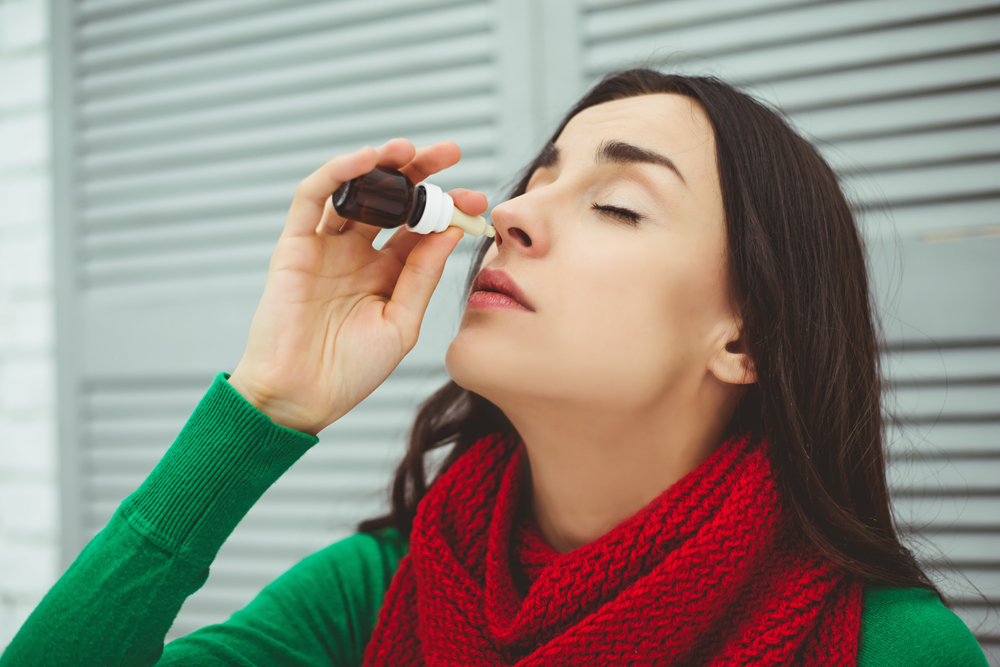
x: 623, y: 214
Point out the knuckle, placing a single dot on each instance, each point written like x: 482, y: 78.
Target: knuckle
x: 302, y: 188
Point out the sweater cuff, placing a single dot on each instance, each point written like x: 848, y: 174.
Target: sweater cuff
x: 226, y: 456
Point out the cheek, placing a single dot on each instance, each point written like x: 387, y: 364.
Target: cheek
x: 633, y: 324
x: 616, y: 329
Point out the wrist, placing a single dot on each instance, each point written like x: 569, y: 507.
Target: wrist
x: 266, y: 402
x: 243, y: 388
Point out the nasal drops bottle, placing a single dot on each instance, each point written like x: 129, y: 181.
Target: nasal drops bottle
x: 386, y: 198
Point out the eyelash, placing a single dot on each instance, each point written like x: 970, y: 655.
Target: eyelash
x: 623, y: 214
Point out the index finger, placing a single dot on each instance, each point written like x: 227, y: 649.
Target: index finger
x: 315, y: 189
x: 432, y: 159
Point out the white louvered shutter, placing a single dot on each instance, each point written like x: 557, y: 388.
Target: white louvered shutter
x: 903, y: 98
x: 185, y: 127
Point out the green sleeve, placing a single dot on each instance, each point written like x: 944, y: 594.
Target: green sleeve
x: 901, y: 627
x: 115, y: 603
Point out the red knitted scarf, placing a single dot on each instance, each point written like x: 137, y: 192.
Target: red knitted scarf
x: 711, y: 572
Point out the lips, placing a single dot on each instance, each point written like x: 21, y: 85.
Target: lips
x: 497, y: 280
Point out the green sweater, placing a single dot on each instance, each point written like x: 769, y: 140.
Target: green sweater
x: 115, y: 603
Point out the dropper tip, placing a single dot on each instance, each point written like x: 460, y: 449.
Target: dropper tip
x: 490, y: 231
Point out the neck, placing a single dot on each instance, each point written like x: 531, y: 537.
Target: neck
x: 590, y: 471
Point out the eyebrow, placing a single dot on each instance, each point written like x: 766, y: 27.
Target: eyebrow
x: 618, y: 152
x: 549, y: 156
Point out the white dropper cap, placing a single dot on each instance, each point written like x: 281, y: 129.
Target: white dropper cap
x: 440, y: 213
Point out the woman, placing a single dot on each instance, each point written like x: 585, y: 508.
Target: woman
x: 668, y: 444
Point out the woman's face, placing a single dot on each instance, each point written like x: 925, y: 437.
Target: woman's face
x: 622, y: 258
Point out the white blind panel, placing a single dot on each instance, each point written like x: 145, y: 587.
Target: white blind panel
x: 193, y: 124
x: 903, y: 99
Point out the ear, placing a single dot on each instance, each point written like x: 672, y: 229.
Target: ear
x: 732, y: 363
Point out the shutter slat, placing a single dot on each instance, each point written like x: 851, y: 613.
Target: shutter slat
x: 881, y: 82
x: 936, y: 183
x: 911, y: 221
x: 393, y: 91
x: 941, y: 512
x: 184, y: 37
x: 254, y: 86
x: 942, y: 437
x: 934, y: 476
x: 347, y: 129
x: 758, y: 55
x: 287, y: 56
x: 640, y: 17
x: 896, y: 116
x: 958, y: 547
x: 948, y: 402
x: 924, y: 148
x: 93, y: 15
x: 777, y: 20
x: 938, y: 365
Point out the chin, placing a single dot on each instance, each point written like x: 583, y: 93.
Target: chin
x: 477, y: 361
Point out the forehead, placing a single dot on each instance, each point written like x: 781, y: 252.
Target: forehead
x: 673, y: 124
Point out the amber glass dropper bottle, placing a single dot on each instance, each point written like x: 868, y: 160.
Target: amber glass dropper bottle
x: 386, y: 198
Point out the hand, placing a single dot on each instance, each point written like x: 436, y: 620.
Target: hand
x: 337, y: 315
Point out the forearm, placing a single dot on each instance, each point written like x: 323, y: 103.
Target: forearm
x: 116, y: 602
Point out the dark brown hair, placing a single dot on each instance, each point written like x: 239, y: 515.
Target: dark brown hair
x: 799, y: 278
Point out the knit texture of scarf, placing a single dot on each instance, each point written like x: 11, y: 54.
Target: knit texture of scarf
x: 711, y: 572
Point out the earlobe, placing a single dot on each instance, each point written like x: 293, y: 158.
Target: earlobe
x: 733, y: 364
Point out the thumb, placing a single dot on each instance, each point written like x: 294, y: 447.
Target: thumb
x: 417, y: 280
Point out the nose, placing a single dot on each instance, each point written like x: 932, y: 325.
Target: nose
x: 520, y: 225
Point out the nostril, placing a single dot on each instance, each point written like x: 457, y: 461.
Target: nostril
x: 525, y: 239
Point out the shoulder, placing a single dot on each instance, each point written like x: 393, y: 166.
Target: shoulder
x: 910, y: 626
x: 356, y: 571
x: 338, y: 589
x: 369, y: 559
